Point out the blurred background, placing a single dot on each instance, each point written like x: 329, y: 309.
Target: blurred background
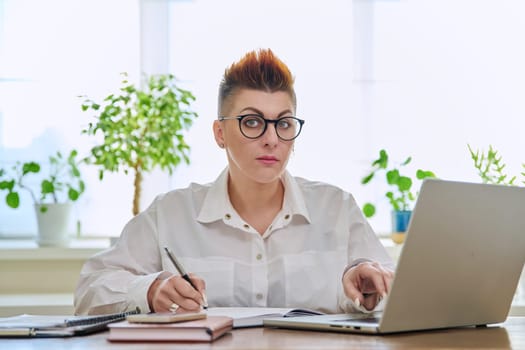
x: 419, y: 78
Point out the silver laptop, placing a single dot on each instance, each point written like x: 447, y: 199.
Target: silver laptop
x: 459, y: 266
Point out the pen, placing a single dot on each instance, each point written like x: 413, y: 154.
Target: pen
x: 183, y: 274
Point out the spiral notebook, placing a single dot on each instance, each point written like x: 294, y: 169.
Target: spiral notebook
x: 46, y: 326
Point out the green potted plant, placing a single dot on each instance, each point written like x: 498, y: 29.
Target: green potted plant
x: 490, y: 167
x: 400, y: 194
x: 53, y: 199
x: 141, y: 129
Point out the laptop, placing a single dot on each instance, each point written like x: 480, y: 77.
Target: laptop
x: 459, y: 266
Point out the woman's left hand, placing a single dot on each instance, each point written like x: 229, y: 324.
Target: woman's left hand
x: 367, y: 283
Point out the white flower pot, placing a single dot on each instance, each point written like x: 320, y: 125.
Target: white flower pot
x: 53, y: 224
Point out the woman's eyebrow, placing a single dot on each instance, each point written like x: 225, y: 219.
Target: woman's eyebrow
x: 251, y: 109
x: 256, y: 111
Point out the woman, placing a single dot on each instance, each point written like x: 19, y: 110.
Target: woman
x: 257, y: 236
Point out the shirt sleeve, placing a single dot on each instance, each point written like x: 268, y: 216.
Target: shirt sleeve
x: 118, y: 279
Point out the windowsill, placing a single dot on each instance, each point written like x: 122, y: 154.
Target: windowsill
x: 28, y: 249
x: 36, y: 304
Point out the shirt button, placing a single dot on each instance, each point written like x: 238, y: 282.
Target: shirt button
x: 259, y: 256
x: 287, y: 216
x: 246, y: 226
x: 259, y: 296
x: 227, y: 216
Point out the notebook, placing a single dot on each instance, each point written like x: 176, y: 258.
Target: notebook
x: 244, y: 317
x: 459, y: 266
x: 57, y: 326
x: 202, y: 330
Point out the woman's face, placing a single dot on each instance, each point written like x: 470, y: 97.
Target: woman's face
x: 262, y: 160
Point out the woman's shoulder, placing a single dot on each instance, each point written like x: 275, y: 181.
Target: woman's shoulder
x: 191, y: 193
x: 315, y: 185
x: 321, y: 189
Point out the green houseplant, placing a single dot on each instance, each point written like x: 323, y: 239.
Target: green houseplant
x: 491, y: 168
x: 400, y: 193
x: 141, y: 129
x: 53, y: 198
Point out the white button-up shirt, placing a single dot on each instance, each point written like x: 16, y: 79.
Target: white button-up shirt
x: 297, y: 262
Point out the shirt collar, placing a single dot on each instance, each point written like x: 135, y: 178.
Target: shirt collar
x: 294, y: 201
x: 217, y: 201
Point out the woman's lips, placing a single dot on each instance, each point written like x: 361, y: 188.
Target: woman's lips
x: 267, y: 159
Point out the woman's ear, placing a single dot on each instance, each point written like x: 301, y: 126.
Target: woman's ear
x: 218, y: 133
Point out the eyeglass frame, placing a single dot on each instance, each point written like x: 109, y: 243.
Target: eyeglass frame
x: 266, y: 121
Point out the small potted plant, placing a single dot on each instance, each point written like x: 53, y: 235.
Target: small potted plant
x: 53, y: 199
x: 141, y: 129
x: 490, y: 167
x: 400, y: 194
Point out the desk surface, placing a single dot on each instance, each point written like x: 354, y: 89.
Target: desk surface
x: 509, y: 335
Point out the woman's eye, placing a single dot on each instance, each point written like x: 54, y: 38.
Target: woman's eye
x: 283, y: 124
x: 252, y: 122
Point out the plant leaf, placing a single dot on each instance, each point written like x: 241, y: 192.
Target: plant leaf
x: 13, y: 200
x: 367, y: 178
x: 369, y: 210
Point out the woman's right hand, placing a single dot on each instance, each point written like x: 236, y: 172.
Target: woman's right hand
x: 175, y: 292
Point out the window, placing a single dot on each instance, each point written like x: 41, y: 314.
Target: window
x: 446, y: 74
x: 50, y: 53
x: 417, y: 77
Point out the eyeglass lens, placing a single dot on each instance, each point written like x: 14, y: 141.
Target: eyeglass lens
x: 287, y: 128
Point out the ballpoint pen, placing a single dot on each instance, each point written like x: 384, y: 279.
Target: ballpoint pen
x: 184, y: 275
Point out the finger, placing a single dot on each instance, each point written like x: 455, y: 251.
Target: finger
x: 364, y: 284
x: 387, y: 275
x: 201, y: 287
x: 351, y: 289
x: 177, y: 290
x: 377, y: 286
x: 198, y: 282
x: 162, y: 302
x: 186, y: 290
x: 370, y: 301
x: 388, y: 278
x: 374, y: 281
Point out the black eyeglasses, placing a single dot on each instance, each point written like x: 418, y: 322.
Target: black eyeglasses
x: 253, y: 126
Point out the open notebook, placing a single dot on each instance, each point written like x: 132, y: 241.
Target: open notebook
x: 253, y: 316
x: 57, y: 326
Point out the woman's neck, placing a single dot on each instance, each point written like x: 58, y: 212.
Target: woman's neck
x: 256, y: 203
